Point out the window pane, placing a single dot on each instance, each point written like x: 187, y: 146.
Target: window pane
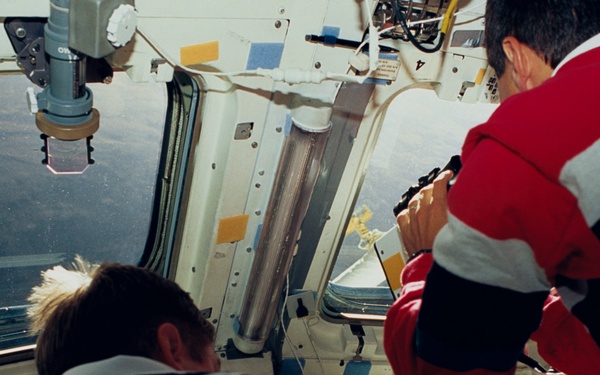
x: 103, y: 214
x: 420, y: 132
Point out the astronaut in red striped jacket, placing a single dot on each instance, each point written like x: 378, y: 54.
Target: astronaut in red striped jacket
x: 523, y: 216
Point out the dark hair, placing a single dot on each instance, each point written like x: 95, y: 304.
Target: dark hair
x: 118, y: 314
x: 552, y: 28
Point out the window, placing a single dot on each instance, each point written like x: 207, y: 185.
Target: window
x: 103, y: 214
x: 420, y: 132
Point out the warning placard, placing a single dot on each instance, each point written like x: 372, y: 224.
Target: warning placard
x: 387, y: 69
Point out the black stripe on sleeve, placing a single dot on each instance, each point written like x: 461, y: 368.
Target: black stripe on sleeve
x: 596, y: 229
x: 587, y: 310
x: 465, y: 325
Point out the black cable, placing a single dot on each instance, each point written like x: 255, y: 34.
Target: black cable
x: 402, y: 20
x: 523, y: 358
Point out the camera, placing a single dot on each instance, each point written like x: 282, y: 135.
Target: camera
x: 453, y: 164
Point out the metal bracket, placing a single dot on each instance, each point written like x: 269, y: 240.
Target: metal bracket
x: 243, y: 130
x: 27, y: 38
x: 357, y: 330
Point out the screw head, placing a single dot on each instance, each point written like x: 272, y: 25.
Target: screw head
x: 21, y: 33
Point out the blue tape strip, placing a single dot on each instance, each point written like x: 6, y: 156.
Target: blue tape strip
x: 376, y: 81
x: 358, y: 368
x: 388, y: 56
x: 330, y: 35
x: 257, y: 236
x: 264, y: 55
x: 288, y: 125
x: 236, y: 324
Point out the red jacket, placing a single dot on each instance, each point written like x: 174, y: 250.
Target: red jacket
x: 524, y: 216
x: 562, y: 340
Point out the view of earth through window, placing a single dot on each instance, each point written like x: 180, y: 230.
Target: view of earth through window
x: 420, y: 132
x: 103, y: 214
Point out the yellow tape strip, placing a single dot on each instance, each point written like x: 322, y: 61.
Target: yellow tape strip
x: 199, y: 53
x: 232, y: 229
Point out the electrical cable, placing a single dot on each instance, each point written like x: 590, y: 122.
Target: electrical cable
x: 289, y: 341
x: 446, y: 21
x: 432, y: 20
x: 448, y: 16
x: 175, y: 63
x: 294, y: 76
x: 402, y: 20
x: 291, y: 76
x: 312, y: 343
x: 374, y: 44
x: 525, y: 359
x: 285, y: 335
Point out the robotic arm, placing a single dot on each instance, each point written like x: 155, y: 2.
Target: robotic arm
x: 54, y: 55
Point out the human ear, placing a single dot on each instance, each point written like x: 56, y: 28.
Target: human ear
x: 526, y: 68
x: 518, y: 62
x: 172, y: 350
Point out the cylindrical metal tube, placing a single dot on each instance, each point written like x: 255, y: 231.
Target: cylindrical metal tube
x: 294, y: 182
x: 66, y: 101
x: 65, y: 105
x: 67, y: 68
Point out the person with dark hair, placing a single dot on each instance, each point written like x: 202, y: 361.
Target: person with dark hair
x: 116, y: 318
x: 522, y: 218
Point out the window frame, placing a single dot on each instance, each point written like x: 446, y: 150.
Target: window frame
x: 343, y: 304
x: 181, y: 128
